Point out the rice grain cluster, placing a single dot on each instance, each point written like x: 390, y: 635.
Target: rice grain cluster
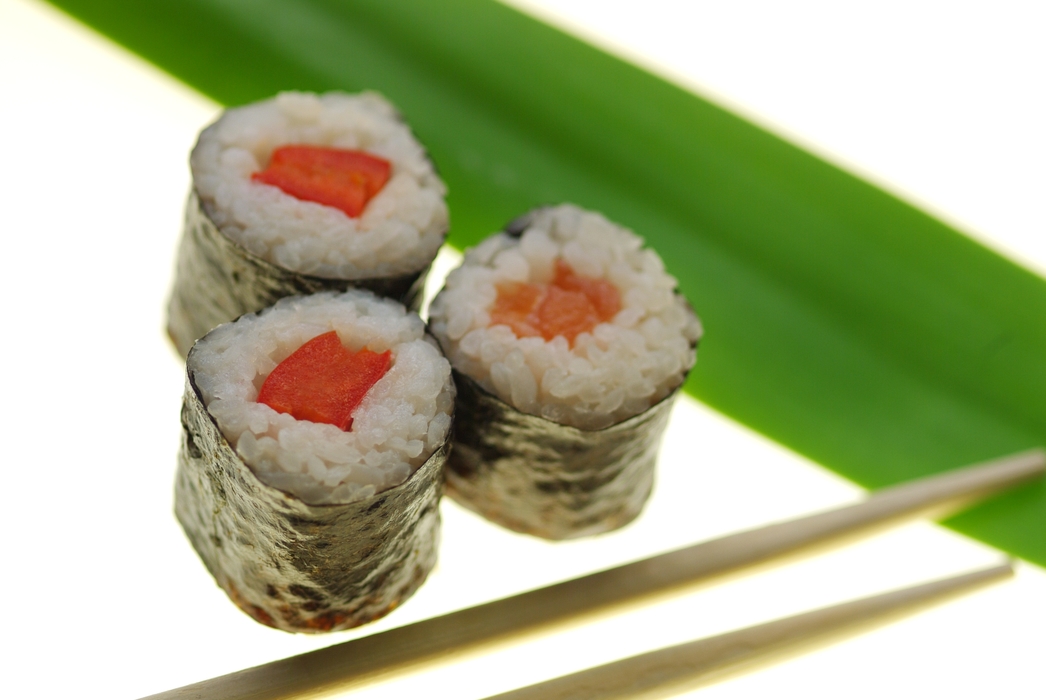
x: 401, y: 228
x: 402, y: 420
x: 618, y: 370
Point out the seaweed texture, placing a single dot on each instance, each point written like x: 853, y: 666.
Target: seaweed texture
x: 294, y: 566
x: 533, y: 475
x: 218, y: 280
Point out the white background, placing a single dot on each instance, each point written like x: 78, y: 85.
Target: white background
x: 942, y: 103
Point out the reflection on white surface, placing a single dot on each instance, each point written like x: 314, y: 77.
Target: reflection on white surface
x: 101, y: 583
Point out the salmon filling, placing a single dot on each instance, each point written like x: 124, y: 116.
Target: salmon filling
x: 570, y: 305
x: 336, y: 177
x: 323, y: 382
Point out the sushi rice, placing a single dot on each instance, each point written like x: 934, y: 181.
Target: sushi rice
x: 618, y: 370
x: 401, y: 228
x: 402, y: 420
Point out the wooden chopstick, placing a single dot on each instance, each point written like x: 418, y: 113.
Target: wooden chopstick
x: 351, y: 663
x: 673, y: 670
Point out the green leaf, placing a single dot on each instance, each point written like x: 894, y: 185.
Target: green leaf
x: 839, y: 320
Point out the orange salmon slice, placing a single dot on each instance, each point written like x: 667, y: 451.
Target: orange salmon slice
x: 570, y: 305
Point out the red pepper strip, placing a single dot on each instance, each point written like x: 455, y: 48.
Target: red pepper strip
x: 336, y: 177
x: 323, y: 382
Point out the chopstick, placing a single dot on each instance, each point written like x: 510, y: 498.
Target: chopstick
x: 673, y: 670
x: 351, y: 663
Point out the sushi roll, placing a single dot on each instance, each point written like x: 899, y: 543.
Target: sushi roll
x: 568, y: 342
x: 310, y: 471
x: 299, y: 194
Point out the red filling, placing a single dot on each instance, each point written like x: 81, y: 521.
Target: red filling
x: 337, y: 177
x: 570, y: 305
x: 323, y: 382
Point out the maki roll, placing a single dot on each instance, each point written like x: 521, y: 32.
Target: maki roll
x: 299, y: 194
x: 310, y: 471
x: 568, y: 341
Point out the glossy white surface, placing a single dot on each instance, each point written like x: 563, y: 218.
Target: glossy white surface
x: 105, y: 596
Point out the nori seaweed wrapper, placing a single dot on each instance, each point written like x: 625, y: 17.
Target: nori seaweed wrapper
x: 218, y: 280
x: 539, y: 477
x: 294, y: 566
